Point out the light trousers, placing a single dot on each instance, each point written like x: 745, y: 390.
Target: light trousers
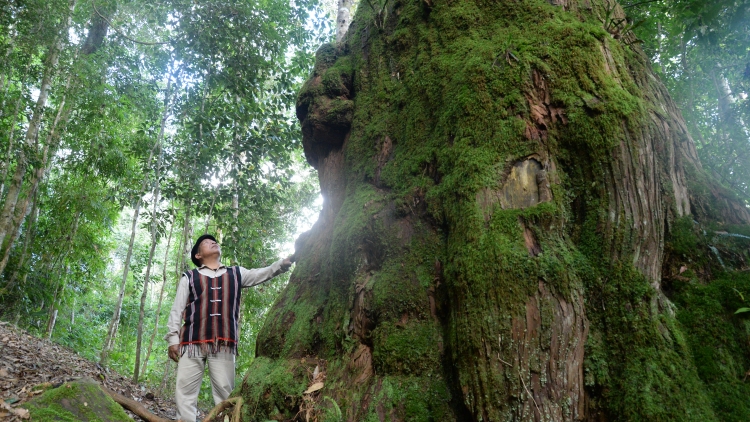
x: 190, y: 375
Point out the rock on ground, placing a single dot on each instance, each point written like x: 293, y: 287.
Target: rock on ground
x: 29, y: 365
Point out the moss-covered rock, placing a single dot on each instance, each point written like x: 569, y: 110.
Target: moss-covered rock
x: 76, y: 401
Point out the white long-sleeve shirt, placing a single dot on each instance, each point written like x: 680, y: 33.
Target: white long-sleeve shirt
x: 250, y: 278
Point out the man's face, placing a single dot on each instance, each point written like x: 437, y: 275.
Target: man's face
x: 208, y: 248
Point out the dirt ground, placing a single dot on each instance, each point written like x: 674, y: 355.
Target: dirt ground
x: 27, y: 361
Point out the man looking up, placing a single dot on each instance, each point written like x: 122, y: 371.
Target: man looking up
x: 203, y: 323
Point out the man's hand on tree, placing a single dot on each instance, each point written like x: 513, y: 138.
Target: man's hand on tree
x: 286, y: 263
x: 174, y: 352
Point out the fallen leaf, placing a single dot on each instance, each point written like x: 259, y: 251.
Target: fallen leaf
x: 313, y: 388
x: 23, y: 413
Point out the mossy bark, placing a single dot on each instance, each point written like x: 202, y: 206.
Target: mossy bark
x: 500, y: 181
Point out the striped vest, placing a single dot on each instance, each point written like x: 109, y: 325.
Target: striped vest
x: 212, y: 313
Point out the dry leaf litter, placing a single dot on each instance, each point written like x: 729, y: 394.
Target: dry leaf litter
x: 29, y: 364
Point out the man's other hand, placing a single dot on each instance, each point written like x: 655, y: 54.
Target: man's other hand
x: 174, y: 352
x: 286, y: 263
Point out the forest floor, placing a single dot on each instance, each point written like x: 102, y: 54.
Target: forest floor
x: 27, y: 361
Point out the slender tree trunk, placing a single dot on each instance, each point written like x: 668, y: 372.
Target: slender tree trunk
x: 73, y: 315
x: 59, y: 292
x: 344, y: 14
x: 165, y: 377
x: 53, y: 138
x: 161, y: 297
x: 234, y: 235
x: 115, y: 321
x: 4, y: 78
x: 154, y: 226
x: 184, y: 246
x: 21, y: 214
x: 16, y: 185
x: 9, y: 155
x: 51, y: 321
x: 28, y: 241
x: 146, y: 281
x: 211, y: 209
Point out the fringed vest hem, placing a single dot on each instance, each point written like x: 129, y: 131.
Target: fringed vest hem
x: 212, y: 313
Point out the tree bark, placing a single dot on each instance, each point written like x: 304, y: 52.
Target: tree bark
x: 500, y: 181
x: 73, y: 315
x: 134, y: 406
x: 51, y: 321
x: 9, y: 154
x: 32, y: 132
x: 115, y: 321
x: 344, y: 14
x: 98, y: 28
x: 184, y: 249
x: 28, y: 241
x: 154, y: 226
x: 161, y: 296
x: 20, y: 212
x: 53, y: 310
x: 164, y: 378
x: 147, y: 277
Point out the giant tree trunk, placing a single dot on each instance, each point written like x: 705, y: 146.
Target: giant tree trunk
x: 500, y: 179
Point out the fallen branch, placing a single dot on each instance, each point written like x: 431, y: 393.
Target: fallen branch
x: 234, y: 401
x: 134, y: 406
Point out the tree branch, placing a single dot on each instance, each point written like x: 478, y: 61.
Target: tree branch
x: 121, y: 33
x: 235, y: 401
x: 134, y: 406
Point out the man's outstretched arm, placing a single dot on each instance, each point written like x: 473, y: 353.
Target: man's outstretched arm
x: 255, y: 276
x: 175, y: 319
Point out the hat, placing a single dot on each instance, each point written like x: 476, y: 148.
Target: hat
x: 195, y: 248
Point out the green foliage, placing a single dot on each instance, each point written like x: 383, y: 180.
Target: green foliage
x: 718, y: 339
x: 700, y: 49
x: 208, y: 88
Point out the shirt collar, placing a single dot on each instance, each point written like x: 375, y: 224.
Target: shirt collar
x: 203, y: 267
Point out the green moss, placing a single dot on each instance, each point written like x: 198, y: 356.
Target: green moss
x: 273, y: 389
x: 683, y: 238
x: 409, y: 399
x: 718, y: 340
x: 638, y: 355
x: 407, y: 348
x: 450, y: 86
x: 74, y: 402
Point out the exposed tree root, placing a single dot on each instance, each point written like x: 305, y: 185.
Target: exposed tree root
x: 223, y: 406
x: 134, y: 406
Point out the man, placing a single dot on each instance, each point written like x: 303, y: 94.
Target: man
x: 203, y: 323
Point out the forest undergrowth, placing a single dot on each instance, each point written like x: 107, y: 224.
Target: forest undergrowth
x: 30, y: 366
